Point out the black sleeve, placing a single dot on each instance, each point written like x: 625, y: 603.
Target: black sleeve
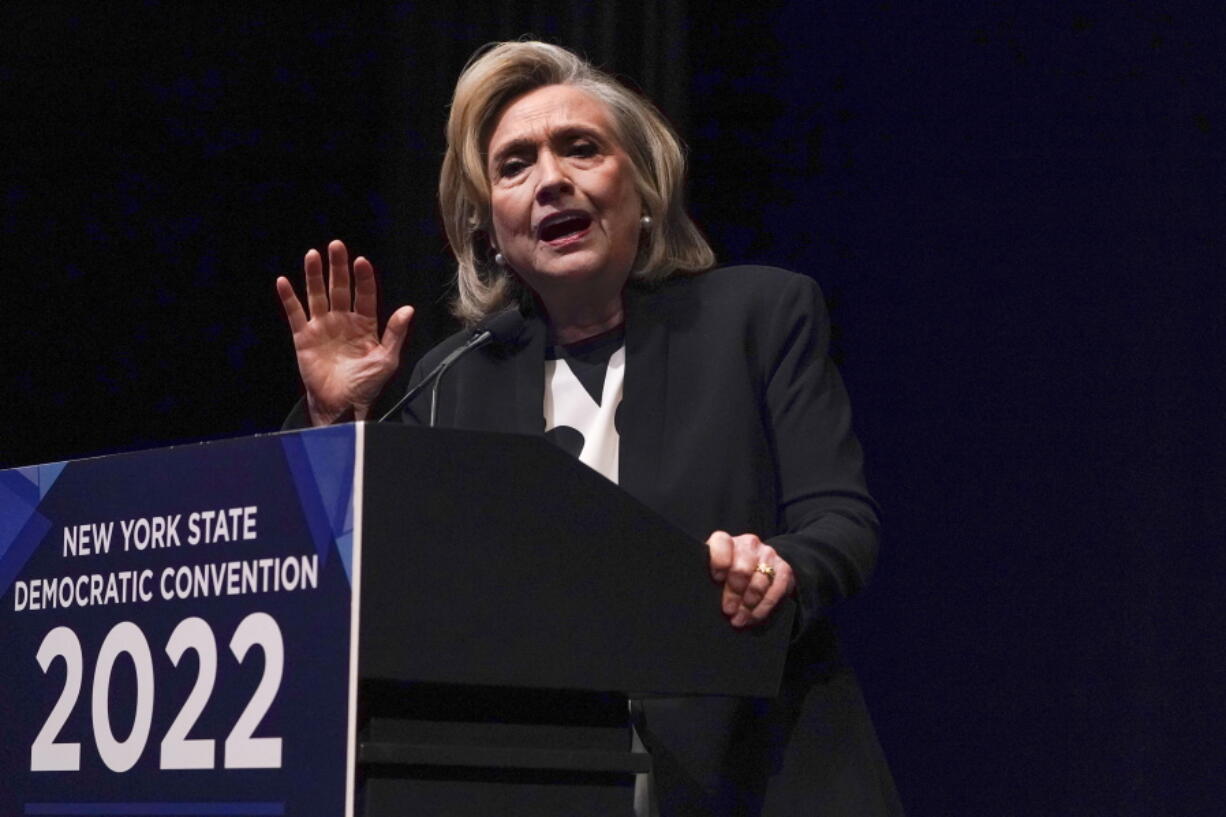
x: 830, y: 521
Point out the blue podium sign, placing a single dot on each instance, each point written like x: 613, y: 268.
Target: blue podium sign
x: 178, y: 630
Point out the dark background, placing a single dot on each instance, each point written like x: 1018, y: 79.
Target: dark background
x: 1015, y: 211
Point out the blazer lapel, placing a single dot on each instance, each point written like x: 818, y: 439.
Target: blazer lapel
x: 528, y: 382
x: 500, y: 388
x: 643, y: 415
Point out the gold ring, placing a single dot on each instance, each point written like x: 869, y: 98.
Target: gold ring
x: 766, y: 570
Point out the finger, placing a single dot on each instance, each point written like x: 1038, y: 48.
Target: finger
x: 396, y: 330
x: 759, y: 583
x: 338, y: 275
x: 313, y: 265
x: 292, y: 306
x: 780, y: 587
x: 730, y: 601
x: 364, y: 287
x: 720, y: 545
x: 745, y: 559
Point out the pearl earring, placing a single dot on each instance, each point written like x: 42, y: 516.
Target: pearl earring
x: 500, y: 259
x: 645, y: 221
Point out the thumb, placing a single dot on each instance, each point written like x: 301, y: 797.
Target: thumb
x: 397, y: 330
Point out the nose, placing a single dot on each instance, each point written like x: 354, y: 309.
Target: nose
x: 553, y: 180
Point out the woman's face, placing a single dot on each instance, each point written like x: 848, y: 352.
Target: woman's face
x: 564, y: 206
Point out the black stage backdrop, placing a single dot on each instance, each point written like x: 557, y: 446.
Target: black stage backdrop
x: 1015, y: 211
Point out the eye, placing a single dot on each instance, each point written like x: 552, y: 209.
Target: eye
x: 583, y: 149
x: 511, y: 168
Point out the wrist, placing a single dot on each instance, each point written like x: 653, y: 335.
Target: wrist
x: 326, y: 415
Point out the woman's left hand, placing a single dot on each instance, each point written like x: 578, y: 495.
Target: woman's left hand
x: 754, y: 577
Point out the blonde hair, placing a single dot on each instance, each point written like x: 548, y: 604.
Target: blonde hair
x: 492, y: 79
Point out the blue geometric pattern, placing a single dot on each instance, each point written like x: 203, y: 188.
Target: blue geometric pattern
x: 44, y: 476
x: 180, y: 809
x: 321, y: 464
x: 22, y: 527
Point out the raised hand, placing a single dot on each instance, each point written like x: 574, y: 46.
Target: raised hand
x: 755, y: 577
x: 343, y: 363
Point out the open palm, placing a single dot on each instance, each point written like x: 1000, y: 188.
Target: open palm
x: 342, y: 360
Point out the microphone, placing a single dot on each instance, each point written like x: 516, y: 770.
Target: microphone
x: 502, y: 328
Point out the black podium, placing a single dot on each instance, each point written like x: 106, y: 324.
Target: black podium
x: 411, y: 621
x: 512, y: 601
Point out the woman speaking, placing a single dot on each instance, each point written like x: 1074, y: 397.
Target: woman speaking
x: 705, y: 392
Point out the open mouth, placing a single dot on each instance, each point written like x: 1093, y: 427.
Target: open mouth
x: 564, y: 225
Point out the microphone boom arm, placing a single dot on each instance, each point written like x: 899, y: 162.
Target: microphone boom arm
x: 480, y: 339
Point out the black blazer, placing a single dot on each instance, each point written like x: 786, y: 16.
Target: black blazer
x: 732, y: 418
